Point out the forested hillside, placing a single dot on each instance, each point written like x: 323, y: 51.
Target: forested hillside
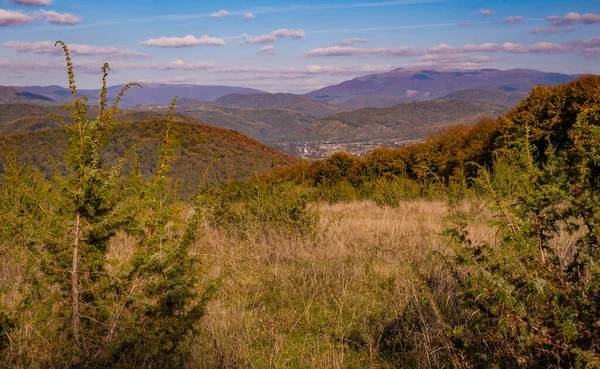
x: 547, y: 118
x: 264, y: 125
x: 235, y: 156
x: 401, y: 122
x: 307, y: 105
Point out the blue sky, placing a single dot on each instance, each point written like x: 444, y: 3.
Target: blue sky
x: 289, y: 46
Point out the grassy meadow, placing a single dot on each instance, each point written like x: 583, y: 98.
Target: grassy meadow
x: 324, y: 302
x: 328, y: 300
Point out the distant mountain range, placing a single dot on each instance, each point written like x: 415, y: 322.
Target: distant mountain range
x: 149, y: 94
x: 411, y: 85
x: 375, y: 90
x: 387, y: 108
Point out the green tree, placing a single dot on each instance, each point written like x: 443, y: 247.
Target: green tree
x: 88, y: 310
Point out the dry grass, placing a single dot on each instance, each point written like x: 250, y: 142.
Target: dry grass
x: 12, y: 275
x: 301, y: 303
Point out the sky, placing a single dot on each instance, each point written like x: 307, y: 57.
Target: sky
x: 289, y: 46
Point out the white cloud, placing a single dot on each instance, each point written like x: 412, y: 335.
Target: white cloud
x: 32, y: 2
x: 548, y: 48
x: 14, y: 18
x: 235, y: 73
x: 594, y: 41
x: 177, y: 65
x: 349, y: 51
x: 457, y: 60
x: 591, y: 52
x: 444, y: 49
x: 58, y: 18
x: 221, y: 13
x: 353, y: 41
x: 189, y: 40
x: 512, y: 48
x: 240, y: 69
x: 542, y: 31
x: 267, y: 50
x: 248, y: 15
x: 515, y: 19
x: 574, y: 18
x: 484, y: 12
x: 168, y: 80
x: 48, y: 48
x: 180, y: 65
x: 487, y: 47
x: 507, y: 47
x: 273, y: 36
x: 28, y: 67
x: 589, y: 48
x: 22, y: 66
x: 292, y: 73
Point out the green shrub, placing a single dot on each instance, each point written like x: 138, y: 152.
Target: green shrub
x: 256, y: 207
x: 392, y: 192
x: 534, y: 301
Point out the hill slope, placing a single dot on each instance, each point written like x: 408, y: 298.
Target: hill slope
x: 489, y: 96
x: 307, y: 105
x: 264, y: 125
x: 398, y: 122
x: 12, y: 94
x: 409, y: 85
x: 238, y: 157
x: 24, y: 118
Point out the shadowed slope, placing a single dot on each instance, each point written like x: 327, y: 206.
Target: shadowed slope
x: 238, y: 157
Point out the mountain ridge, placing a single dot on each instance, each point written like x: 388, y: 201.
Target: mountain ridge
x: 301, y: 103
x: 150, y: 93
x: 405, y: 85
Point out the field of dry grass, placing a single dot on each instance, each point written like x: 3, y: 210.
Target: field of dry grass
x: 293, y: 302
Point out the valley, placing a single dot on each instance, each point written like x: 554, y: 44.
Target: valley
x: 355, y: 116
